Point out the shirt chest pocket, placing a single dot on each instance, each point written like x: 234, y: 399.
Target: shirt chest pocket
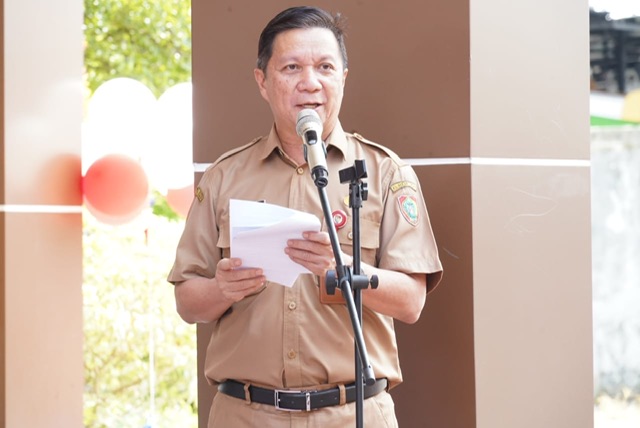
x: 369, y: 240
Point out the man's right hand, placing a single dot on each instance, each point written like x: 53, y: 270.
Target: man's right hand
x: 236, y: 282
x: 203, y: 300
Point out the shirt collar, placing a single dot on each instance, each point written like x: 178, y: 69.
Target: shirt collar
x: 337, y: 139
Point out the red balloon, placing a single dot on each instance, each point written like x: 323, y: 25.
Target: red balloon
x: 180, y: 199
x: 113, y: 220
x: 116, y: 189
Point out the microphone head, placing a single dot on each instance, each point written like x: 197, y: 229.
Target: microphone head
x: 308, y: 119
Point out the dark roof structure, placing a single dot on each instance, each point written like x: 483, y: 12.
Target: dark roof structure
x: 615, y: 53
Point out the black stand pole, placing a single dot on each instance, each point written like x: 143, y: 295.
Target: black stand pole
x: 350, y: 280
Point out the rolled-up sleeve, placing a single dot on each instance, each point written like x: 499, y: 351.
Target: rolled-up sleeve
x: 197, y: 253
x: 407, y: 240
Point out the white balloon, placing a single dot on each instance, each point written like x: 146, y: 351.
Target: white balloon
x: 169, y: 162
x: 120, y: 117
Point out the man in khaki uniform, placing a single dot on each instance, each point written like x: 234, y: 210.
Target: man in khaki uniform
x: 269, y: 340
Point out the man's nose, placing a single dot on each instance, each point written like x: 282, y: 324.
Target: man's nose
x: 309, y: 80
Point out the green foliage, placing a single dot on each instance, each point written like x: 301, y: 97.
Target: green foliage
x: 133, y: 334
x: 161, y: 208
x: 146, y: 40
x: 140, y: 357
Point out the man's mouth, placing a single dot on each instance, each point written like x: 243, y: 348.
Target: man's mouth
x: 310, y: 105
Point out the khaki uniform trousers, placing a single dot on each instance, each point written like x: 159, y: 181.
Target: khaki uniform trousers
x: 231, y: 412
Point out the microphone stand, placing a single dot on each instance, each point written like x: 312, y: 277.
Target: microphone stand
x: 350, y: 280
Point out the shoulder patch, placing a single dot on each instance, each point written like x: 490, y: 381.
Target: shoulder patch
x: 409, y: 208
x: 401, y: 184
x: 199, y: 194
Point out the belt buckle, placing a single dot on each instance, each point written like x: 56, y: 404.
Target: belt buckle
x: 276, y: 397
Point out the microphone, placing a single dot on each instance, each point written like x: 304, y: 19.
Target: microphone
x: 309, y: 127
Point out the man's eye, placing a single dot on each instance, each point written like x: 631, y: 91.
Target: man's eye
x: 291, y: 67
x: 327, y: 67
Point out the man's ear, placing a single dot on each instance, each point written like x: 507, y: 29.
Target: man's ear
x: 261, y: 81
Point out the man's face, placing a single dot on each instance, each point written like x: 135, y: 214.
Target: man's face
x: 305, y: 71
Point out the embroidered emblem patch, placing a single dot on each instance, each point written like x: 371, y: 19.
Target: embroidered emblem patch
x: 400, y: 184
x: 409, y: 209
x: 199, y: 194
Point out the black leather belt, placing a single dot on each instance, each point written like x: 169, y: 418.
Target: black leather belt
x: 284, y: 399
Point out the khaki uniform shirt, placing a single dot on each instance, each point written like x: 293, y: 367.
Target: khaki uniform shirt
x: 283, y: 337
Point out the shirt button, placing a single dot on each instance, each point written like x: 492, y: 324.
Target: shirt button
x: 292, y: 305
x: 300, y: 170
x: 291, y: 354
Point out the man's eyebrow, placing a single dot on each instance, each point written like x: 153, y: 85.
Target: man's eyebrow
x: 329, y: 58
x: 296, y: 58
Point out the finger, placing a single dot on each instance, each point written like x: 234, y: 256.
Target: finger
x: 315, y: 263
x: 232, y: 270
x: 246, y: 286
x: 244, y: 274
x: 235, y: 289
x: 302, y: 245
x: 309, y: 252
x: 319, y: 237
x: 229, y: 264
x: 239, y: 294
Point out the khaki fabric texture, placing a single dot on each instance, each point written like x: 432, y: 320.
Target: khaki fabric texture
x: 378, y: 412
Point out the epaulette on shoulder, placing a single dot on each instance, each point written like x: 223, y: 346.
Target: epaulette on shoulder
x: 385, y: 149
x: 235, y: 151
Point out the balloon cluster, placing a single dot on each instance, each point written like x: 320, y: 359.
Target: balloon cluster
x: 133, y: 142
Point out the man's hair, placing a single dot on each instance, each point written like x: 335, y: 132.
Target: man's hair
x: 296, y: 18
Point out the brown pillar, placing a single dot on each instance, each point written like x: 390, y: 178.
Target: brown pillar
x: 531, y: 214
x: 494, y: 115
x: 41, y: 364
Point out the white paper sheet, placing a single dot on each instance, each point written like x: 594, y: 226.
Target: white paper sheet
x: 259, y: 234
